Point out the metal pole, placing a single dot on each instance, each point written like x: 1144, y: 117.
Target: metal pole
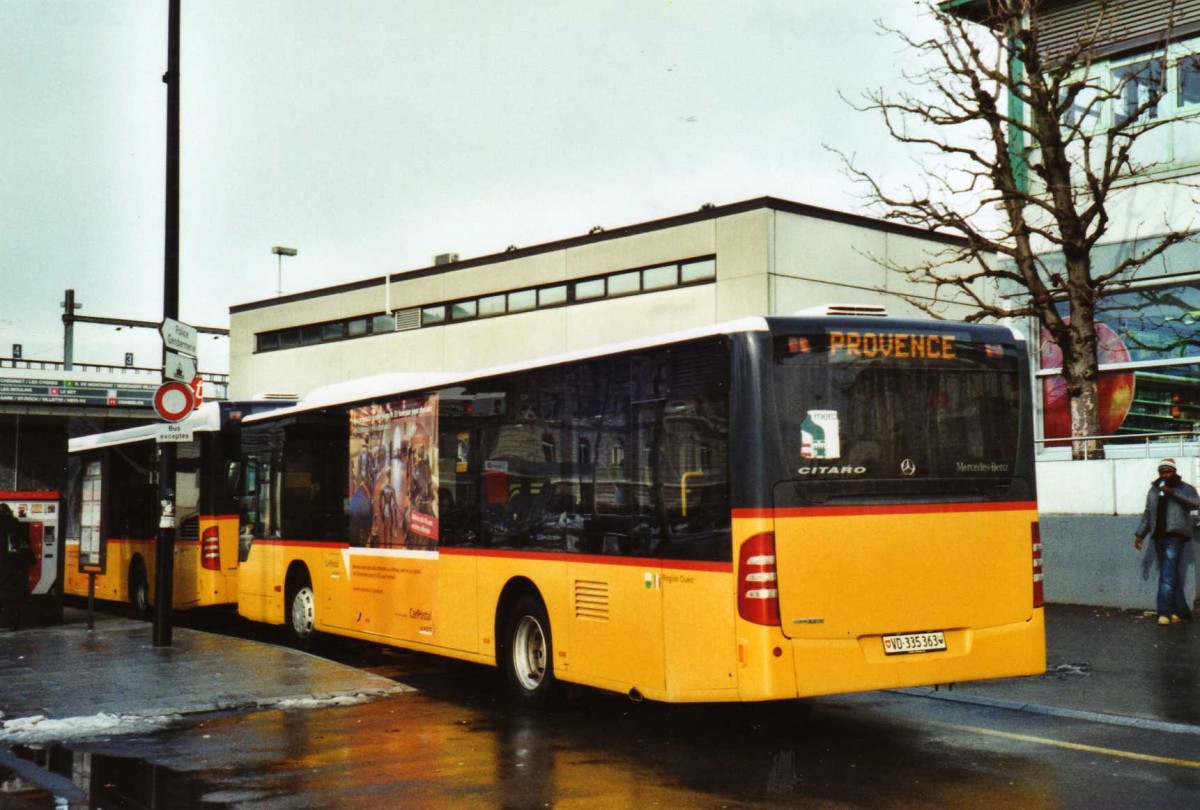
x: 280, y: 252
x: 91, y: 603
x: 69, y: 330
x: 164, y: 564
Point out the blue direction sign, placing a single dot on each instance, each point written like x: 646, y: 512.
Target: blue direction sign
x: 75, y: 392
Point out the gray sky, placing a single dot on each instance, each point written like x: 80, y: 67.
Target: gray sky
x: 373, y: 134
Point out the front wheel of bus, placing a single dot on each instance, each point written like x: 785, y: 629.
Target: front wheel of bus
x: 301, y: 609
x: 139, y: 589
x: 527, y: 655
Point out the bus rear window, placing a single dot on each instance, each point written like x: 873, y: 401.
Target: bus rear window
x: 872, y: 414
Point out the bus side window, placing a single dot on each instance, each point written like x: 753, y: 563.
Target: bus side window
x: 131, y: 497
x: 187, y: 491
x: 681, y: 428
x: 459, y: 475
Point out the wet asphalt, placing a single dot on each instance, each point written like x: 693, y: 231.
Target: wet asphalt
x: 1103, y: 664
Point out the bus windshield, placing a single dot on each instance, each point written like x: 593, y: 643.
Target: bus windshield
x: 882, y: 415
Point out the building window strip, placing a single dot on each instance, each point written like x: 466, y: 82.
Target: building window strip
x: 655, y: 278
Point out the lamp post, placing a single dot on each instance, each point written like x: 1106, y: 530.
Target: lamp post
x: 281, y: 252
x: 69, y: 306
x: 164, y: 549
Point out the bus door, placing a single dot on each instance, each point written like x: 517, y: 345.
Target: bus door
x: 255, y: 484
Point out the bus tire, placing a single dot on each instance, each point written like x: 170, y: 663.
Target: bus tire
x: 301, y: 612
x: 527, y: 655
x: 139, y: 589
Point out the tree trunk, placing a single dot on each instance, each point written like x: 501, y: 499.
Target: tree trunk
x: 1081, y: 370
x: 1085, y: 421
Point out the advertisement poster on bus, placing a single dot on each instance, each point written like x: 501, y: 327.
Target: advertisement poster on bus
x: 393, y: 474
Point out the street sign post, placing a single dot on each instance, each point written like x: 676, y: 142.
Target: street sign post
x: 174, y: 433
x: 182, y: 390
x: 176, y: 366
x: 179, y: 336
x: 174, y: 400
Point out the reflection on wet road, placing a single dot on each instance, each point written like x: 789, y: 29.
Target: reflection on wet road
x: 457, y: 742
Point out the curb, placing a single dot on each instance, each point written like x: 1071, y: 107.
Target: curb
x: 1054, y: 711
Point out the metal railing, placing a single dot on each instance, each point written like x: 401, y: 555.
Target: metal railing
x: 1187, y: 440
x: 216, y: 384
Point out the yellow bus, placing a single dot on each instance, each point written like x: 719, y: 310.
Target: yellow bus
x: 772, y: 508
x: 113, y: 510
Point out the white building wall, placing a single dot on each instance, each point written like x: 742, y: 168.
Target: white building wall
x: 640, y: 250
x: 768, y: 261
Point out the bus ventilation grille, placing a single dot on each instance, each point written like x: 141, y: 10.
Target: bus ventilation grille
x: 591, y: 600
x: 844, y: 310
x: 189, y: 530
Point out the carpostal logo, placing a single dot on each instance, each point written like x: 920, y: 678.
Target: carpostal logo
x: 845, y: 469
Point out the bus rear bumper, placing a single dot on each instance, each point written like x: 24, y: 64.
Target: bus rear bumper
x: 814, y: 667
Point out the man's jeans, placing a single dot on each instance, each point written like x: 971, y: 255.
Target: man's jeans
x: 1171, y: 599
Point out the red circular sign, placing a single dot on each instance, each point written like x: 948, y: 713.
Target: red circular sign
x: 174, y: 400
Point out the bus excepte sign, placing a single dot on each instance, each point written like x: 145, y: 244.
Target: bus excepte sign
x: 173, y: 433
x: 182, y: 390
x: 174, y: 400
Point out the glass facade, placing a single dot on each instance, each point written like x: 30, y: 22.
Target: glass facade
x: 1149, y: 365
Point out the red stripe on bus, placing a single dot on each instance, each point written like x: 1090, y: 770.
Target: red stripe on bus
x: 641, y: 562
x: 131, y: 542
x: 28, y: 495
x: 599, y: 559
x: 884, y: 509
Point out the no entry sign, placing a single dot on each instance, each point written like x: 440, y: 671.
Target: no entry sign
x: 174, y: 400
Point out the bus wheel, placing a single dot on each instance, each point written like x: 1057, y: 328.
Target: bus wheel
x: 301, y: 609
x: 527, y: 654
x: 139, y: 589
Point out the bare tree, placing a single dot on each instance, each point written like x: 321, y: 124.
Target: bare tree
x: 1032, y: 144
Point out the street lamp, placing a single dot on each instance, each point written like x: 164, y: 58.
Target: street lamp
x: 281, y: 252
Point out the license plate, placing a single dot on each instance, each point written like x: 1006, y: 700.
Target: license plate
x: 914, y: 643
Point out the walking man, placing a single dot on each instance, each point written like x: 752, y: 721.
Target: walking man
x: 1167, y: 520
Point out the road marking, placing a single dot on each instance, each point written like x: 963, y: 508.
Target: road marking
x: 1091, y: 749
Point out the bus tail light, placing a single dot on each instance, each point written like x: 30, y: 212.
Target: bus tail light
x: 210, y: 549
x: 1038, y: 591
x: 758, y: 585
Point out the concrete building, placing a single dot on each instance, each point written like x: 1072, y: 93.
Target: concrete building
x: 760, y: 257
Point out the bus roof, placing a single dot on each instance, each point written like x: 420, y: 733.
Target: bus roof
x: 366, y: 389
x: 206, y: 418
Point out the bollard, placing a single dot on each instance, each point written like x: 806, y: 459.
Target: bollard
x: 91, y: 613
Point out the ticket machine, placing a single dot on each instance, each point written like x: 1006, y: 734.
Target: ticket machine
x: 41, y: 511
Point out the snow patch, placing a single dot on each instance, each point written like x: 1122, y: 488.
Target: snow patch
x: 319, y: 702
x: 40, y: 729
